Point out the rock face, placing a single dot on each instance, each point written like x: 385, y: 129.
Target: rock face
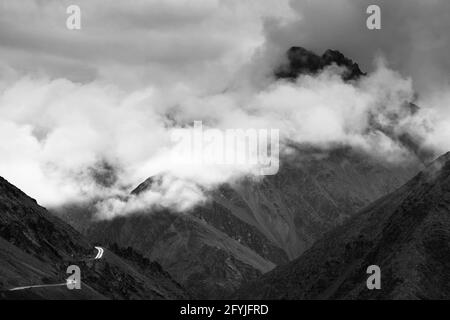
x: 302, y: 61
x: 36, y: 248
x: 406, y: 233
x: 251, y: 226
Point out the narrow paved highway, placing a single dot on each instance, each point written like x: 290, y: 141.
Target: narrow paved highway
x: 99, y: 255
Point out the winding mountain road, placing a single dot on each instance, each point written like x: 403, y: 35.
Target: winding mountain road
x: 99, y: 255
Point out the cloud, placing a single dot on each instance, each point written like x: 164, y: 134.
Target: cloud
x: 68, y: 142
x: 143, y: 42
x: 413, y: 37
x: 87, y: 116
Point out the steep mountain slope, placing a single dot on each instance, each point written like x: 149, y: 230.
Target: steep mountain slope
x: 207, y: 262
x: 36, y: 248
x: 313, y: 192
x: 406, y: 233
x: 249, y: 227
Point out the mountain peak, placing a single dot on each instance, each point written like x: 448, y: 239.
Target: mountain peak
x: 302, y: 61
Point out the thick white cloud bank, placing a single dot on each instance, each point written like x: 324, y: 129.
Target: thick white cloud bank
x: 89, y: 115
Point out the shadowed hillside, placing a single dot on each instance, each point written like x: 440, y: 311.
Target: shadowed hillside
x: 36, y: 248
x: 407, y: 234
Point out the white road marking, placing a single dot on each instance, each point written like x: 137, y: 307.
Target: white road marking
x: 39, y: 286
x: 98, y: 256
x: 99, y: 253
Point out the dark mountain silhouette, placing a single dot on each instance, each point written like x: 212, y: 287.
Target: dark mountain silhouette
x: 406, y: 233
x: 302, y: 61
x: 36, y: 248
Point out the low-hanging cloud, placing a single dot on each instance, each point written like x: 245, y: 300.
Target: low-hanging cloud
x: 56, y: 138
x: 93, y: 134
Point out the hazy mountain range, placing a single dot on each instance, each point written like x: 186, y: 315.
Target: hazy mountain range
x: 308, y: 232
x: 250, y: 227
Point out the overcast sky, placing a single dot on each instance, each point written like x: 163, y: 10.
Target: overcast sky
x: 139, y: 41
x: 414, y: 35
x: 133, y: 42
